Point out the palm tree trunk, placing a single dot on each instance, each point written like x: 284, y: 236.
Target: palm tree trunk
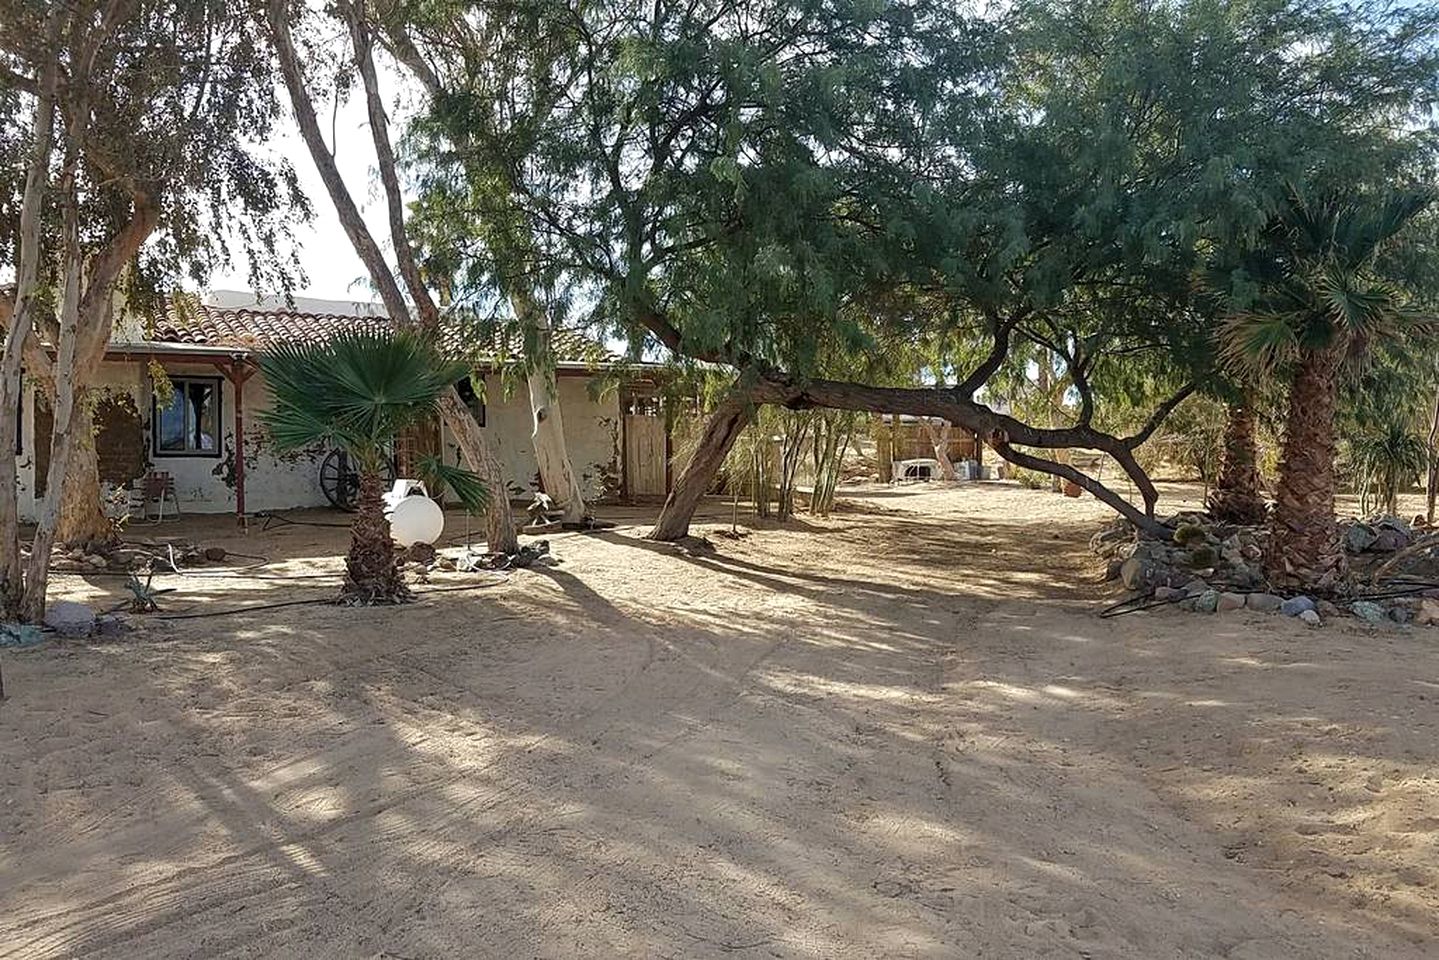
x: 371, y: 575
x: 1236, y: 497
x: 1303, y: 548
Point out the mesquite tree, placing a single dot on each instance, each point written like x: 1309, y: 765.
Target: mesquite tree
x: 140, y: 117
x: 762, y: 186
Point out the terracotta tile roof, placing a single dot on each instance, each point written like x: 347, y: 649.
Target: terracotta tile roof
x: 256, y: 329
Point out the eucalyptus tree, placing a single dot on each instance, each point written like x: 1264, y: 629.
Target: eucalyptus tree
x: 408, y: 297
x: 139, y: 119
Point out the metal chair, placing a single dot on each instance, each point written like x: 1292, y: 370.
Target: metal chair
x: 154, y: 488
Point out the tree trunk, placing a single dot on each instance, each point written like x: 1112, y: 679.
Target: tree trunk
x: 1304, y: 549
x: 721, y: 430
x: 939, y: 439
x: 500, y: 532
x: 83, y: 522
x: 62, y: 436
x: 1236, y: 497
x: 884, y: 449
x: 557, y: 472
x: 371, y: 574
x: 21, y: 322
x: 474, y: 449
x: 1431, y: 478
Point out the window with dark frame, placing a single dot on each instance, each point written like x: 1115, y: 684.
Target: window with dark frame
x: 189, y: 425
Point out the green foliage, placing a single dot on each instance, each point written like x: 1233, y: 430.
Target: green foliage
x: 1330, y: 275
x: 178, y: 95
x: 1385, y: 460
x: 468, y: 488
x: 356, y: 392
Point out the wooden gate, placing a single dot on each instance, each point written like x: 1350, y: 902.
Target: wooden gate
x: 645, y: 455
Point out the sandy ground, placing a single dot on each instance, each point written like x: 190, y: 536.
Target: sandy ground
x: 899, y: 732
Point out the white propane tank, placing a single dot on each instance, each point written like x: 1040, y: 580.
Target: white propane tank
x: 414, y: 517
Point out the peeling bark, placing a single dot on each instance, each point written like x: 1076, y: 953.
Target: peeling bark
x: 557, y: 472
x: 939, y: 439
x: 20, y: 323
x: 83, y: 522
x: 474, y: 448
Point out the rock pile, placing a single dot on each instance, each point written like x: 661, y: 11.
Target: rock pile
x: 1221, y: 556
x: 131, y: 555
x: 1209, y: 567
x: 1379, y: 534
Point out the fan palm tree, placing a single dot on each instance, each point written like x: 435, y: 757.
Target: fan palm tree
x: 1236, y: 497
x: 1327, y: 292
x: 356, y: 392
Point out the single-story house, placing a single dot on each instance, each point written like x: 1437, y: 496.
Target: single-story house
x: 200, y: 429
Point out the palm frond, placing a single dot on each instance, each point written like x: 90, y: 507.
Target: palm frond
x: 355, y: 391
x: 467, y: 487
x: 1258, y: 341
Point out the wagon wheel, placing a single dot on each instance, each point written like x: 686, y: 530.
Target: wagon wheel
x: 340, y: 482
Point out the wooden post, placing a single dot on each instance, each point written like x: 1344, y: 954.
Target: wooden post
x: 237, y: 371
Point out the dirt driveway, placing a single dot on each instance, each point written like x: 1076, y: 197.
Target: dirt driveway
x: 901, y: 732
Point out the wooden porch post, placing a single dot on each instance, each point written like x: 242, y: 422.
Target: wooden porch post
x: 237, y: 371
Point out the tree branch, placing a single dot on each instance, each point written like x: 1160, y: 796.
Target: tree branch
x: 304, y: 107
x: 385, y: 159
x: 1158, y: 417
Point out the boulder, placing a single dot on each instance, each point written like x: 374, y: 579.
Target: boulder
x: 1111, y: 569
x: 1310, y: 617
x: 1368, y: 611
x: 1263, y: 602
x: 1327, y: 610
x: 70, y: 619
x: 215, y: 554
x: 1229, y: 601
x: 1359, y: 537
x: 1190, y: 534
x: 1134, y: 573
x: 1400, y: 613
x: 1168, y: 594
x: 1389, y: 540
x: 1428, y: 612
x: 1294, y: 606
x: 1207, y: 602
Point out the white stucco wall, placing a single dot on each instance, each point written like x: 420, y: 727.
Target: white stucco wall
x: 272, y: 481
x: 205, y: 484
x: 591, y: 434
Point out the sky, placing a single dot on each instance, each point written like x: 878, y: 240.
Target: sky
x: 333, y: 270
